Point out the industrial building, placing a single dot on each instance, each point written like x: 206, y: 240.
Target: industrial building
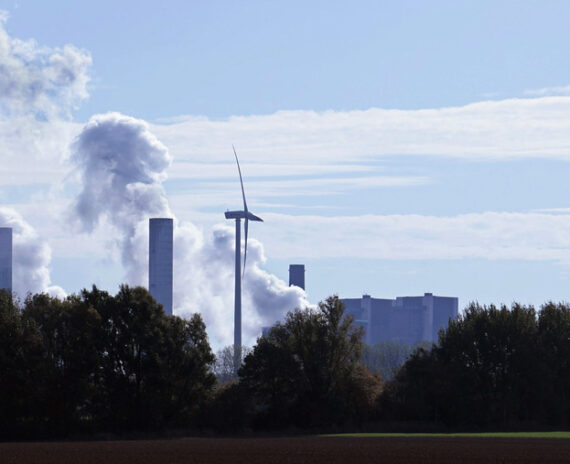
x: 408, y: 319
x: 297, y: 275
x: 6, y: 259
x: 160, y: 254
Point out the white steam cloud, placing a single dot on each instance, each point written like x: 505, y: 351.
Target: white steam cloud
x: 37, y: 80
x: 30, y: 255
x: 122, y: 166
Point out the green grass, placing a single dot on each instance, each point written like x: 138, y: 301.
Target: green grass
x: 451, y: 435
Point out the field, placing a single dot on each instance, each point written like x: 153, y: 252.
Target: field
x: 315, y: 449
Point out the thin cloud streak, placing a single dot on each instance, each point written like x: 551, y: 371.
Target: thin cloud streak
x: 490, y: 235
x: 332, y: 185
x: 505, y: 129
x: 548, y: 91
x: 187, y: 170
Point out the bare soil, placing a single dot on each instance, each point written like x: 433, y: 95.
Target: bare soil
x: 329, y: 450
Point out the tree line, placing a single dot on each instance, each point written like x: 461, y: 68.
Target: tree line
x: 94, y: 362
x: 97, y: 362
x: 493, y: 366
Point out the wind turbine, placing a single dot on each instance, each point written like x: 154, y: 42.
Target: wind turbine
x: 238, y: 216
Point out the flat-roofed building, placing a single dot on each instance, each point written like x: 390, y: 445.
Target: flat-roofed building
x: 409, y: 319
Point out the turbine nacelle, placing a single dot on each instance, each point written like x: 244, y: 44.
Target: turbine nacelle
x: 242, y: 215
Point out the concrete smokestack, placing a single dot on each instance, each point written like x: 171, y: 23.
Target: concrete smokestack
x: 160, y: 261
x: 297, y: 275
x: 6, y: 259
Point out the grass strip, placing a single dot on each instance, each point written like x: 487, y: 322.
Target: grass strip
x: 563, y: 435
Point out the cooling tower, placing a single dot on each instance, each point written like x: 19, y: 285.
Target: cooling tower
x: 6, y: 258
x: 297, y: 275
x: 160, y: 262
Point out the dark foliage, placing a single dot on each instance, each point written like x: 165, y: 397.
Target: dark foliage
x: 385, y: 358
x: 492, y: 367
x: 94, y: 362
x: 306, y: 371
x: 554, y: 355
x: 99, y: 362
x: 21, y: 364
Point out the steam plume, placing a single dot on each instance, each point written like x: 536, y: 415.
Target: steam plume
x: 31, y: 257
x: 122, y: 165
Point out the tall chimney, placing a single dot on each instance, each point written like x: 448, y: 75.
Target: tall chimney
x: 6, y: 259
x: 297, y: 275
x: 160, y: 261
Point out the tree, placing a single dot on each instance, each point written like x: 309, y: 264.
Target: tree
x: 21, y: 358
x: 225, y: 367
x: 484, y: 370
x: 494, y: 352
x: 306, y: 371
x: 554, y: 352
x: 156, y: 369
x: 106, y: 362
x: 385, y: 358
x: 413, y: 394
x: 66, y: 380
x: 188, y: 369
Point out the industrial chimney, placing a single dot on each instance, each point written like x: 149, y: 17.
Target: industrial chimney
x: 297, y: 275
x: 160, y: 262
x: 6, y: 259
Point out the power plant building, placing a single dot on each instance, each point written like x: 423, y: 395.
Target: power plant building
x: 297, y: 275
x: 6, y: 259
x: 160, y: 267
x: 409, y: 319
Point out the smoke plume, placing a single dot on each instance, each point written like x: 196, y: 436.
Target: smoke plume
x: 122, y: 166
x: 30, y: 256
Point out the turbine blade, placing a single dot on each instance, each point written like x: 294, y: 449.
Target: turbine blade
x: 241, y: 182
x: 245, y: 248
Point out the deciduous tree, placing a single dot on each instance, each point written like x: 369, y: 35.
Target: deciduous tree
x: 306, y: 371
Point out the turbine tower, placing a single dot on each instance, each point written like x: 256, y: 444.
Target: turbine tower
x: 238, y: 216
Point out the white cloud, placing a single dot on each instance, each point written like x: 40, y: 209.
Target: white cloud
x: 548, y: 91
x: 514, y: 128
x: 35, y: 152
x: 40, y: 81
x: 552, y: 210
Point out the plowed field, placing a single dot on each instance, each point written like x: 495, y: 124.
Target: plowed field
x: 326, y: 450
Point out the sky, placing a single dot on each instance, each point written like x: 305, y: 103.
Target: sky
x: 394, y: 148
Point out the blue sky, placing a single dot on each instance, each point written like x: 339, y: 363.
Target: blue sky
x: 223, y: 58
x: 395, y: 148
